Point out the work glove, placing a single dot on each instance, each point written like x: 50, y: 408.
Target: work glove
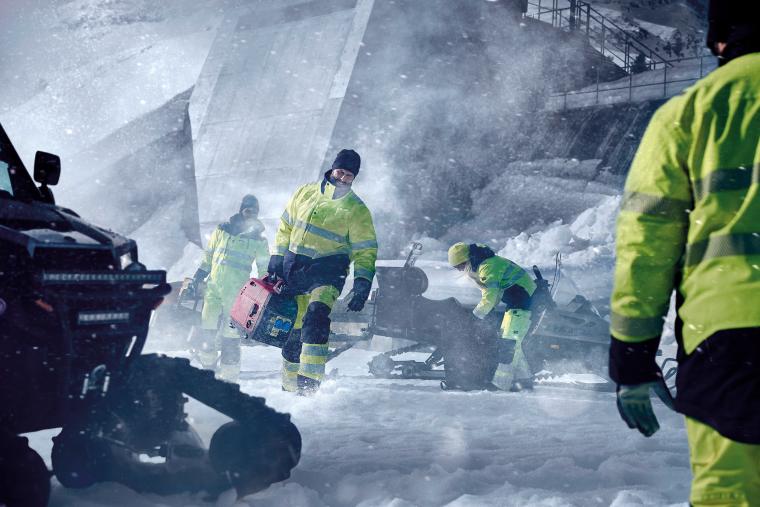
x: 635, y: 405
x: 360, y: 292
x: 197, y: 284
x: 275, y: 268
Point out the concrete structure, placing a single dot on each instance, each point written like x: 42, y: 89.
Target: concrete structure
x: 267, y: 99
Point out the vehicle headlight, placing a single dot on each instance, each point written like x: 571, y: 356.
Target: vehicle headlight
x: 125, y: 260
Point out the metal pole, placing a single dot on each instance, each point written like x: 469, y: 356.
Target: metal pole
x: 588, y: 18
x: 597, y: 79
x: 572, y: 14
x: 630, y: 87
x: 665, y: 81
x: 539, y: 10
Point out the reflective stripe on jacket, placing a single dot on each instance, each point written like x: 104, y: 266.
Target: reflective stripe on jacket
x: 229, y: 258
x: 690, y: 216
x: 316, y: 225
x: 494, y: 275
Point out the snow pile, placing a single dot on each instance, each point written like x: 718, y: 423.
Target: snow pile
x: 530, y: 194
x: 586, y: 245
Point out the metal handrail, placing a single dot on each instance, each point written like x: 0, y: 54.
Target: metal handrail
x: 584, y: 12
x: 664, y: 82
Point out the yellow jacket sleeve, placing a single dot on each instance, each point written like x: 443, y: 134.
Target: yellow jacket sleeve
x: 262, y: 256
x: 651, y: 231
x: 208, y: 254
x: 285, y: 228
x: 490, y: 289
x: 363, y: 241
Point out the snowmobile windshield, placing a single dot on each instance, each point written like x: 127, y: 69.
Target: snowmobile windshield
x: 15, y: 181
x: 16, y: 184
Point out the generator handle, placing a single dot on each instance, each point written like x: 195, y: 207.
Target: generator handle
x: 278, y: 285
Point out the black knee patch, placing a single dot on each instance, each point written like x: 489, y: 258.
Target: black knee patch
x: 291, y: 351
x: 506, y: 350
x: 316, y: 324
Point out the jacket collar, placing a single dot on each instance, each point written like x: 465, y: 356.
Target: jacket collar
x: 331, y: 191
x: 237, y: 226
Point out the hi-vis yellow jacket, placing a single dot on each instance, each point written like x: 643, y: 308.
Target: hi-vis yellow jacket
x: 229, y: 257
x: 316, y: 225
x: 690, y: 217
x: 495, y: 275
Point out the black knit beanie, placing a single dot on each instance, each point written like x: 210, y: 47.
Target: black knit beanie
x: 249, y: 201
x: 348, y: 160
x: 737, y: 23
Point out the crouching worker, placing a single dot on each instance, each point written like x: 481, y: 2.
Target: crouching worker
x: 325, y: 227
x: 226, y: 265
x: 500, y: 279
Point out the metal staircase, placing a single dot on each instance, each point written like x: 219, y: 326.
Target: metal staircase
x: 604, y: 35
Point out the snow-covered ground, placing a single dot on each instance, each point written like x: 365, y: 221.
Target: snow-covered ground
x: 402, y: 443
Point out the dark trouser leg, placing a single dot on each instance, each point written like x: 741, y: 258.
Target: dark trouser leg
x: 229, y: 359
x: 291, y: 354
x: 208, y: 353
x: 314, y: 335
x: 515, y: 374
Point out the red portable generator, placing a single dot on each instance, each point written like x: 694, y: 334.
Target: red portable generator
x: 262, y: 314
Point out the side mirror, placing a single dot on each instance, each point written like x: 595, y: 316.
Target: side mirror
x: 47, y: 168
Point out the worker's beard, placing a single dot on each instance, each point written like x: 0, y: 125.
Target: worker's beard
x: 338, y: 183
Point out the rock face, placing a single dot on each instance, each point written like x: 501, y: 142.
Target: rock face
x: 608, y: 133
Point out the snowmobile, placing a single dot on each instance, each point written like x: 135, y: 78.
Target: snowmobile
x: 75, y: 304
x: 463, y: 350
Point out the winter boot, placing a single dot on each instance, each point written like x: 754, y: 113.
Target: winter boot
x: 207, y: 352
x: 503, y: 376
x: 229, y: 359
x: 521, y: 384
x: 307, y: 386
x: 289, y: 376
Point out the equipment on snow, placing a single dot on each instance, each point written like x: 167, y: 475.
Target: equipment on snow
x: 561, y: 337
x: 261, y: 313
x: 78, y: 304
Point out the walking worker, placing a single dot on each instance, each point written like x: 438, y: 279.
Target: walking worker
x: 499, y: 280
x: 226, y: 265
x: 690, y: 222
x: 325, y: 228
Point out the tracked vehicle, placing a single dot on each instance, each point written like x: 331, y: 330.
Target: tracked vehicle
x: 75, y: 305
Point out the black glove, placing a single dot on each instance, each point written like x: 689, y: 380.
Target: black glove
x: 199, y: 276
x: 360, y: 292
x: 275, y: 269
x: 195, y: 287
